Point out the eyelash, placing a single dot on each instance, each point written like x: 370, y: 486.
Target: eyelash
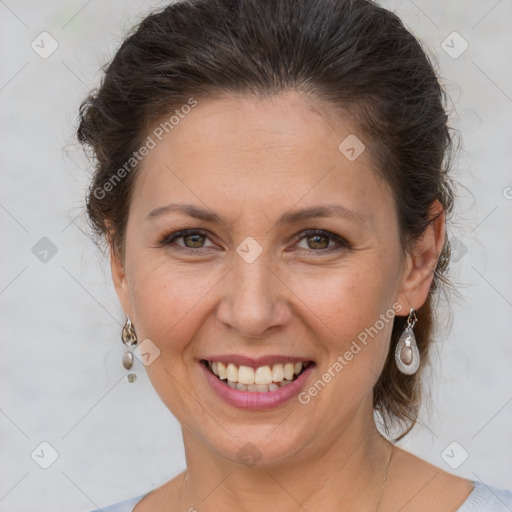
x: 342, y: 244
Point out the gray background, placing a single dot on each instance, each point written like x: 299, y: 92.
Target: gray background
x: 61, y: 377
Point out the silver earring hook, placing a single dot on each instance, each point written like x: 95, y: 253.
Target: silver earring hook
x: 412, y: 319
x: 128, y: 334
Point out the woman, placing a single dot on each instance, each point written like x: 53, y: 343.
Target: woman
x: 272, y: 182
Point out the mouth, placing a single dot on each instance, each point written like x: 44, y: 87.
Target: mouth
x: 263, y: 379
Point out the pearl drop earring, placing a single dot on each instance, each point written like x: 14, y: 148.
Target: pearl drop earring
x: 407, y: 355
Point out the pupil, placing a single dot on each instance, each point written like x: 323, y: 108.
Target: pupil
x: 316, y: 237
x: 188, y: 237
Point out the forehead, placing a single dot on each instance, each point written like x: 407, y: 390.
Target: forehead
x: 239, y: 153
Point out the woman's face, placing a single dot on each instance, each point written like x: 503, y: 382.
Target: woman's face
x: 254, y: 283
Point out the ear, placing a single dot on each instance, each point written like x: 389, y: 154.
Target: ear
x: 117, y: 267
x: 422, y: 261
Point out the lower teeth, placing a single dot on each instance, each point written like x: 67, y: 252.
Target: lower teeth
x: 256, y: 388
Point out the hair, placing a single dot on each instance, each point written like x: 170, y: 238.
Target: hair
x: 353, y: 54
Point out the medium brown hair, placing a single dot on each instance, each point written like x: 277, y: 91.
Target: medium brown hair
x: 356, y: 56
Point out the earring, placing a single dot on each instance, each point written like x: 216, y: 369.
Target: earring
x: 407, y: 355
x: 129, y: 338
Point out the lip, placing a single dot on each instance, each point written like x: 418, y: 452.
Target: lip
x: 256, y: 362
x: 256, y: 400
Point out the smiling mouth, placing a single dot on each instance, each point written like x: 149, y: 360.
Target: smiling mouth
x: 262, y: 379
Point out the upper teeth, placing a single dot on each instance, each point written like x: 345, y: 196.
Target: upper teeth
x: 261, y: 375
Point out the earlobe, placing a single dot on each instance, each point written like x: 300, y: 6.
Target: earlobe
x: 422, y: 262
x: 119, y: 279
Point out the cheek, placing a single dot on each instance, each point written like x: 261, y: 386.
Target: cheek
x: 350, y: 296
x: 353, y: 318
x: 355, y: 306
x: 167, y: 301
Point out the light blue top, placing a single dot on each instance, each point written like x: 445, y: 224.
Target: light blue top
x: 483, y: 498
x: 123, y: 506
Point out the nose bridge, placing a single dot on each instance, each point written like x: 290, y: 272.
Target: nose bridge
x: 253, y: 303
x: 252, y: 277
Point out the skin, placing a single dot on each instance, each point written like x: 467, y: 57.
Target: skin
x: 250, y: 161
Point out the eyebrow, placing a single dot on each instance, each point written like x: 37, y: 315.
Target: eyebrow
x: 293, y: 217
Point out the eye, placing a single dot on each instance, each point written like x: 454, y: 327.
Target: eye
x: 318, y: 240
x: 192, y: 239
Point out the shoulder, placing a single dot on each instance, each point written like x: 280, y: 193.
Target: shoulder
x: 421, y: 486
x: 123, y: 506
x: 486, y: 498
x: 417, y: 485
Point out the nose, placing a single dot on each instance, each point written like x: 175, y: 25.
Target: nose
x: 255, y: 299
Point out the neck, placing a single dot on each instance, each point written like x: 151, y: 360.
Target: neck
x: 344, y: 471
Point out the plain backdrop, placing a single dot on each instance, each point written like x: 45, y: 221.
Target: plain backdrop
x: 61, y: 379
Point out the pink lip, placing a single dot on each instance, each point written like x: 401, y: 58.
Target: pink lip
x: 256, y: 362
x: 256, y: 400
